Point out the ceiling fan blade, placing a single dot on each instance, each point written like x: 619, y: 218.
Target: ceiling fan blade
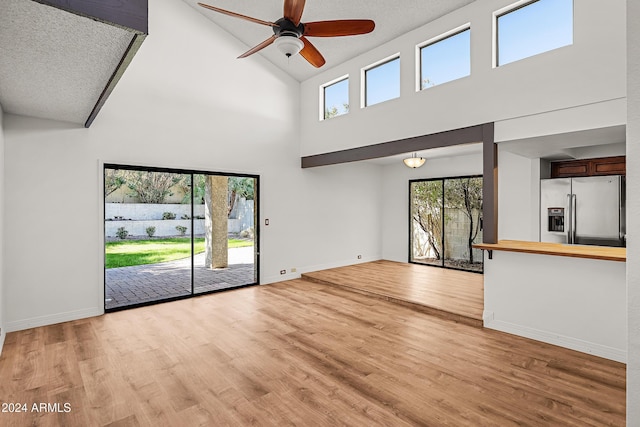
x: 237, y: 15
x: 345, y: 27
x: 261, y: 46
x: 311, y: 54
x: 293, y: 10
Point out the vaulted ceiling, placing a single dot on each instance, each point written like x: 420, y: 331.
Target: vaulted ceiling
x: 392, y: 19
x: 60, y: 59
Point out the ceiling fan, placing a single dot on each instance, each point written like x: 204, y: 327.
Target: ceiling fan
x: 290, y: 35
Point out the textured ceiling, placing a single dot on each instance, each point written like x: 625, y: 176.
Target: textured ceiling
x: 392, y: 19
x: 54, y: 64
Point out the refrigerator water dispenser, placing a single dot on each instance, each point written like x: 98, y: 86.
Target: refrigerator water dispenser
x: 556, y: 219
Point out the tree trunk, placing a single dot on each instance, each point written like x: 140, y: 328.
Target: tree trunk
x: 470, y: 239
x: 216, y: 221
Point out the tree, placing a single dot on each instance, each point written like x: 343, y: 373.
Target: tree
x: 240, y: 187
x: 198, y: 188
x: 427, y: 83
x: 113, y: 179
x: 151, y: 187
x: 427, y: 212
x: 333, y: 111
x: 466, y: 194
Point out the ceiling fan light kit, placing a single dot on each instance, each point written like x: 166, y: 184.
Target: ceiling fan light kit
x: 289, y: 45
x: 290, y: 35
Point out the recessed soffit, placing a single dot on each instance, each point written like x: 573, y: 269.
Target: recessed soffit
x: 59, y: 65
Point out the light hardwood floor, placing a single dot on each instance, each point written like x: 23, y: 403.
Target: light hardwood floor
x: 450, y: 294
x: 299, y: 353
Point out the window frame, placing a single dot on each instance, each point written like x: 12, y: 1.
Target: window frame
x: 521, y: 4
x: 418, y: 51
x: 322, y: 101
x: 363, y: 79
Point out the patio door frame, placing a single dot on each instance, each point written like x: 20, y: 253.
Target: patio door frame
x: 443, y: 222
x: 192, y: 172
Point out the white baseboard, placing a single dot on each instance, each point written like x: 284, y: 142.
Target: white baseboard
x: 34, y: 322
x: 279, y: 278
x: 600, y: 350
x: 317, y: 267
x: 3, y: 334
x: 337, y: 264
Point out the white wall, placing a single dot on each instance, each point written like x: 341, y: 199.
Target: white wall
x: 571, y: 302
x: 556, y: 123
x: 395, y: 197
x: 184, y: 102
x: 518, y: 196
x: 591, y: 70
x: 633, y: 208
x: 2, y: 327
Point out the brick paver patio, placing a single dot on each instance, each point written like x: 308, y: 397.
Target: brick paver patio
x: 145, y: 283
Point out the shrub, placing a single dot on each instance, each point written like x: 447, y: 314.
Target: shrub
x: 122, y: 233
x: 181, y: 229
x: 185, y: 216
x: 247, y: 233
x: 150, y: 231
x: 168, y: 215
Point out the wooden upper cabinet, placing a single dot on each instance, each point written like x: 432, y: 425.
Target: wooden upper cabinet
x: 570, y: 168
x: 589, y: 167
x: 609, y: 166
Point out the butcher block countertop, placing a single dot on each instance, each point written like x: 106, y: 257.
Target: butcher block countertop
x: 557, y: 249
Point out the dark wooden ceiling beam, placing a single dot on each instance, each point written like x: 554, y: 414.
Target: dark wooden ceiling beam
x: 435, y: 140
x: 131, y: 14
x: 489, y: 185
x: 127, y: 57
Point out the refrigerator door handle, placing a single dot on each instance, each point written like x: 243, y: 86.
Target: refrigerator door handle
x: 568, y: 220
x: 622, y: 228
x: 573, y: 219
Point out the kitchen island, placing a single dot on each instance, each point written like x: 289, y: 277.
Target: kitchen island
x: 567, y: 295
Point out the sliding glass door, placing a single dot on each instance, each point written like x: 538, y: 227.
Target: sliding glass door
x: 226, y: 205
x: 171, y: 234
x: 445, y: 222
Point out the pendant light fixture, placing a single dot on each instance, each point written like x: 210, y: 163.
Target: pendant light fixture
x: 414, y: 161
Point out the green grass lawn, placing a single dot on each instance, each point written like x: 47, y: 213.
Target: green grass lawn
x: 126, y: 253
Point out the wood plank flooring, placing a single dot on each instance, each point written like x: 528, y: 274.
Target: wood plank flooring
x: 450, y: 294
x: 299, y: 353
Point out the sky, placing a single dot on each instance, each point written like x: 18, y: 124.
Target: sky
x: 383, y: 82
x: 337, y: 95
x: 534, y: 29
x: 538, y: 27
x: 446, y: 60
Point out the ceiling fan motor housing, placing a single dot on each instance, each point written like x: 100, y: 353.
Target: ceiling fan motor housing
x: 287, y: 28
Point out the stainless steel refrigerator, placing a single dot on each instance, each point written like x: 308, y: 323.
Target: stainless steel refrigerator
x: 583, y: 211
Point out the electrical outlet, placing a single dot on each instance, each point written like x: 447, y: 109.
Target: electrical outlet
x: 359, y: 256
x: 283, y: 271
x: 293, y: 270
